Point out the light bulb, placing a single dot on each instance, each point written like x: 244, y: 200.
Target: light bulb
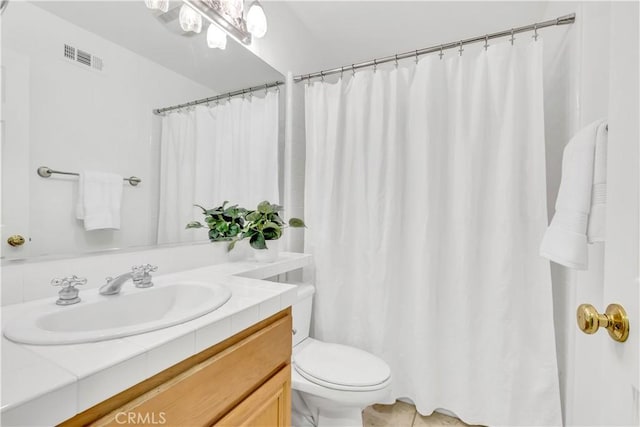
x: 190, y: 20
x: 162, y: 5
x: 216, y: 37
x: 256, y: 20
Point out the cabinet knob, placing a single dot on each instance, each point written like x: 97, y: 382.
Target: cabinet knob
x: 15, y: 240
x: 614, y: 319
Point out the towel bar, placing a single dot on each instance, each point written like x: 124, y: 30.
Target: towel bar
x: 46, y: 172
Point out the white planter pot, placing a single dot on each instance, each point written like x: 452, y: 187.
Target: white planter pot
x: 270, y: 254
x: 241, y: 251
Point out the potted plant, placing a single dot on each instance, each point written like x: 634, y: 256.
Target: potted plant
x: 265, y: 225
x: 224, y: 223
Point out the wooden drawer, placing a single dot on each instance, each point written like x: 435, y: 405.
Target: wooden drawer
x: 200, y: 391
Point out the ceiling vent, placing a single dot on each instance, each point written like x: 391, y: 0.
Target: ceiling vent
x: 82, y: 57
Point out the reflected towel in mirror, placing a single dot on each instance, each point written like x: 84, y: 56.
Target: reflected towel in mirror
x: 99, y: 200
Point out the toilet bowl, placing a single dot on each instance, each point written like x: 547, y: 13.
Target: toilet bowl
x: 331, y: 383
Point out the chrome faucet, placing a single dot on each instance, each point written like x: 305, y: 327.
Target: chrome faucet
x: 140, y: 274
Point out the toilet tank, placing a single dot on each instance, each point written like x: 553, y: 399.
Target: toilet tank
x: 302, y: 311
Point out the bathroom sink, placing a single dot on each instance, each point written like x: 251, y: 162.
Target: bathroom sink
x: 132, y: 312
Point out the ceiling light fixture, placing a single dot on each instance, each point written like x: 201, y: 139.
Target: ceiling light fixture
x: 225, y: 17
x: 162, y: 5
x: 216, y: 37
x: 256, y: 20
x: 190, y: 20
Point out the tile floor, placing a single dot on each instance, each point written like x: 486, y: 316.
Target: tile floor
x: 404, y: 415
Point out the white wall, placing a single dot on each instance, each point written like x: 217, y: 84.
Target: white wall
x: 82, y: 119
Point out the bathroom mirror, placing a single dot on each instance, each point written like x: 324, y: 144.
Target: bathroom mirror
x: 79, y: 82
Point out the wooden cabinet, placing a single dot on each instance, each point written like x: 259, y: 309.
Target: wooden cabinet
x: 243, y: 381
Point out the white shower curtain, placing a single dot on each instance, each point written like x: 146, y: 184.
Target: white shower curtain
x: 425, y: 203
x: 212, y: 154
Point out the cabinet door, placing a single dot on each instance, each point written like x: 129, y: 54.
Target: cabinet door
x: 269, y: 406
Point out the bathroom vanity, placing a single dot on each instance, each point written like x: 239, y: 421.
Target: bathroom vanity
x: 244, y: 380
x: 228, y: 367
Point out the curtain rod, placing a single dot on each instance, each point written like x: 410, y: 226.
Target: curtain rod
x: 227, y: 95
x: 562, y: 20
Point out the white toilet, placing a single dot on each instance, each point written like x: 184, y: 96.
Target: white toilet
x: 331, y: 383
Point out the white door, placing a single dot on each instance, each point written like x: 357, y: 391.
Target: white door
x: 619, y: 372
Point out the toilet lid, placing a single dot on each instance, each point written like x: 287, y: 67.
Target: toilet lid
x: 341, y: 367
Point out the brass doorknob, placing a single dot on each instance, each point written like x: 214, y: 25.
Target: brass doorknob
x: 614, y: 319
x: 15, y: 240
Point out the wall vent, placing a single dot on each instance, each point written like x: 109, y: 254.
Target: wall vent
x: 83, y: 57
x: 69, y: 52
x: 96, y: 63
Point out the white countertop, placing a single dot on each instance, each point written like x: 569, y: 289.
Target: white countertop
x: 45, y: 385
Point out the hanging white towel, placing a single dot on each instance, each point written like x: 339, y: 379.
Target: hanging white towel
x: 579, y: 216
x: 596, y: 227
x: 99, y: 199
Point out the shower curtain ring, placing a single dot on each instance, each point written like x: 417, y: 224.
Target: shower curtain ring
x: 460, y: 49
x: 341, y: 72
x: 322, y: 76
x: 416, y: 57
x: 441, y: 54
x: 512, y: 37
x: 486, y: 42
x: 535, y: 32
x: 396, y: 60
x: 266, y: 89
x: 375, y: 65
x: 353, y: 70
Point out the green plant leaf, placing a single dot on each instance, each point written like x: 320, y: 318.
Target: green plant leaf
x: 265, y: 207
x: 272, y: 231
x: 231, y: 245
x: 253, y: 216
x: 296, y: 223
x: 194, y: 224
x: 257, y: 241
x: 276, y: 218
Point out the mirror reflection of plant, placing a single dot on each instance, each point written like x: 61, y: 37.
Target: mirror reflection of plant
x: 264, y: 224
x: 224, y: 223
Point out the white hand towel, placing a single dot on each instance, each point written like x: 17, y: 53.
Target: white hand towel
x: 99, y: 199
x: 596, y: 227
x: 565, y: 241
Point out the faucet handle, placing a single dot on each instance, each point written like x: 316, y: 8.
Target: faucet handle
x: 68, y: 294
x: 142, y: 275
x: 148, y: 268
x: 67, y: 282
